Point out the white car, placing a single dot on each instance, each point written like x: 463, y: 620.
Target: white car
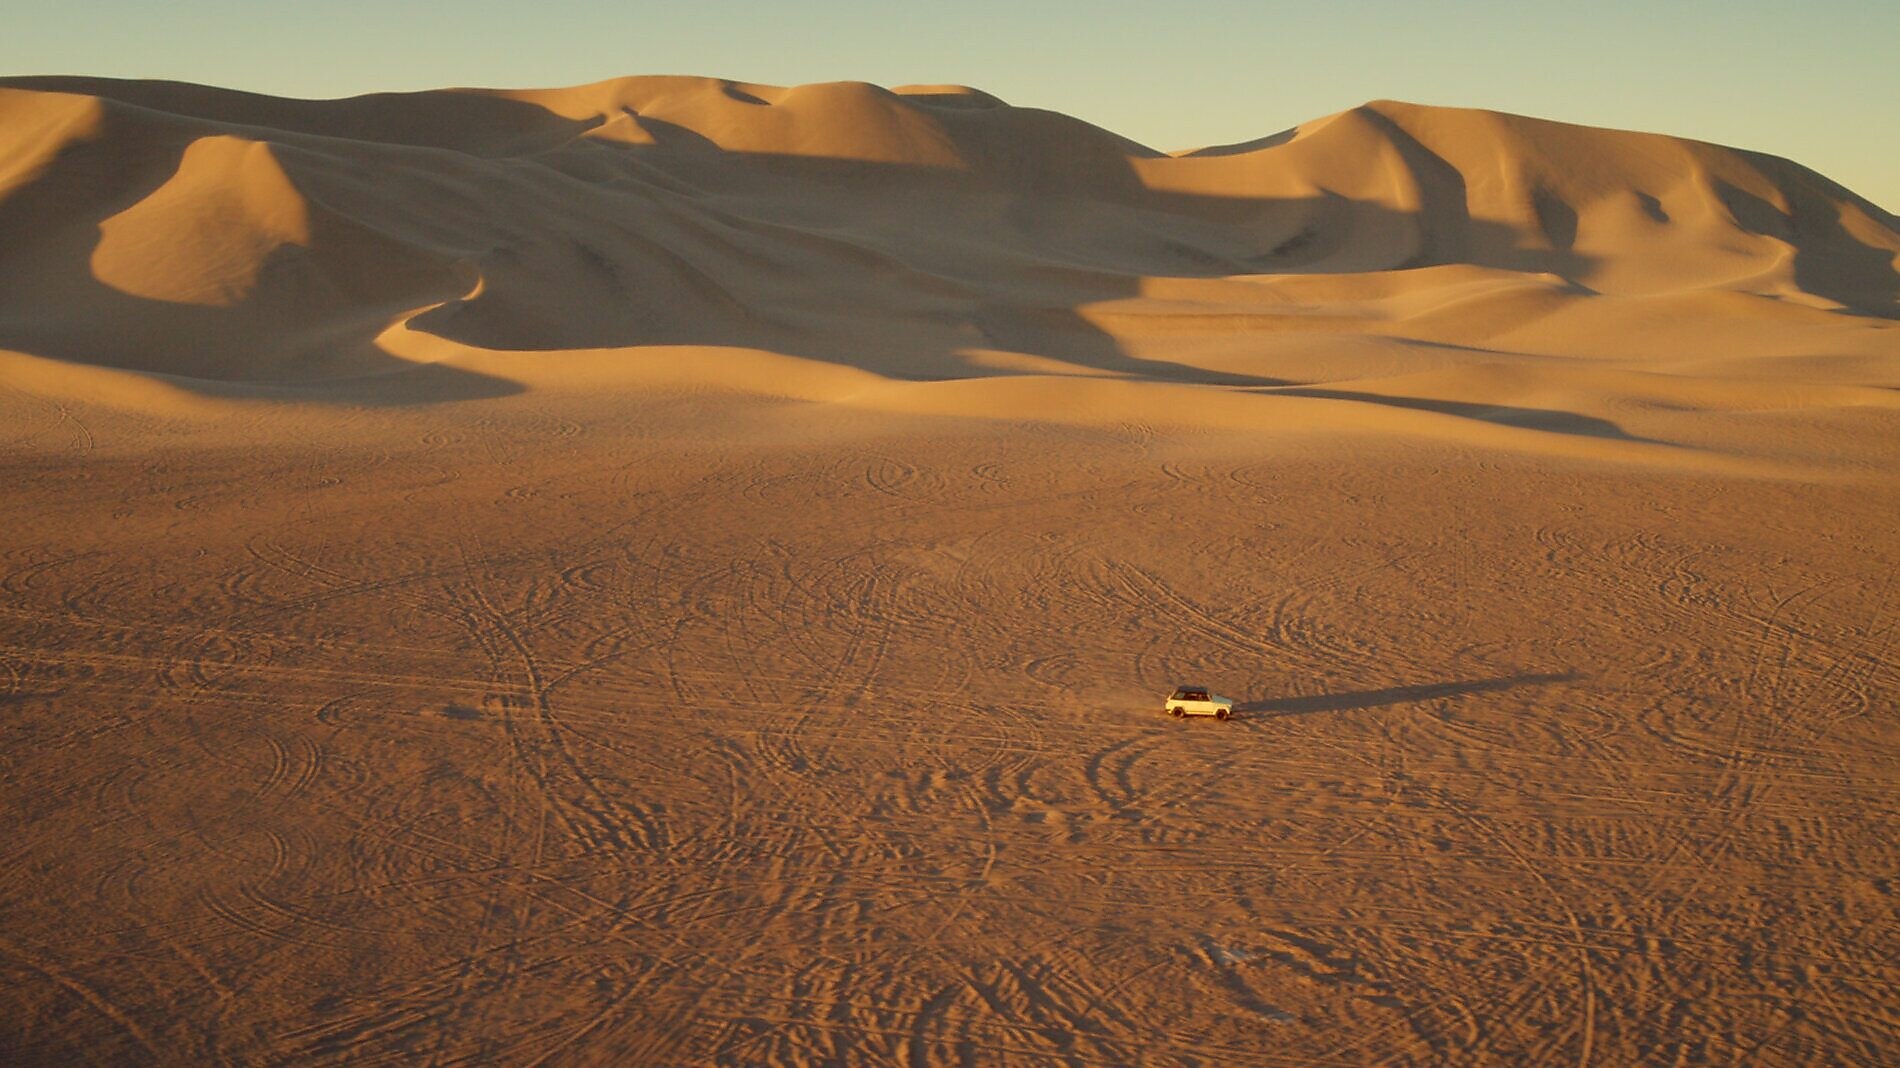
x: 1196, y: 701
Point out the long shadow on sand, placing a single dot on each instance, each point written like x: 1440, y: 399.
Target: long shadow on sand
x: 1396, y: 695
x: 1554, y: 420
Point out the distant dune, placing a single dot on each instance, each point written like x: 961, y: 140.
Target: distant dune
x: 849, y: 236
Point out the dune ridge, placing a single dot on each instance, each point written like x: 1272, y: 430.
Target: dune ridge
x: 921, y: 234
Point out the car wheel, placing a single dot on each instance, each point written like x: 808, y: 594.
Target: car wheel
x: 1176, y: 712
x: 1220, y: 714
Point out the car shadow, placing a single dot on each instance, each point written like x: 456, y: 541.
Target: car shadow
x: 1394, y: 695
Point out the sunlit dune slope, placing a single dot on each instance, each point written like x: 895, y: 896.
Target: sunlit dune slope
x: 921, y: 233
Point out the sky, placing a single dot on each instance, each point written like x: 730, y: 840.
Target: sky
x: 1817, y: 82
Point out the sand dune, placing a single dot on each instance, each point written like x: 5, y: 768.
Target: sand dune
x: 208, y: 234
x: 677, y: 571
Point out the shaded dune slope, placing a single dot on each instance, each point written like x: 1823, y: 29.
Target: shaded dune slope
x: 921, y: 233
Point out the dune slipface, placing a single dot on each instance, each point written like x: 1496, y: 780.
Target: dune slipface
x: 681, y: 571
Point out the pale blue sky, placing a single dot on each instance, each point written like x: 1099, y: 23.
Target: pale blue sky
x: 1817, y: 81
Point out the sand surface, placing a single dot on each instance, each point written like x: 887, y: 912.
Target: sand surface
x: 683, y: 572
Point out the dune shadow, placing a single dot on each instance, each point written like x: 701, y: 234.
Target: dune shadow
x: 1853, y: 274
x: 1552, y: 420
x: 1396, y: 695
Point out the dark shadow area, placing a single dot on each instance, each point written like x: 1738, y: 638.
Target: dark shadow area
x: 1396, y: 695
x: 1557, y: 219
x: 1828, y: 261
x: 1443, y: 195
x: 1554, y: 421
x: 742, y: 96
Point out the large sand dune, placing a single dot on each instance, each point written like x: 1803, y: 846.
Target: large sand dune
x: 927, y: 234
x: 679, y: 571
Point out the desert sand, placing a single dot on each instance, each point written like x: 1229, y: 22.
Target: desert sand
x: 675, y: 571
